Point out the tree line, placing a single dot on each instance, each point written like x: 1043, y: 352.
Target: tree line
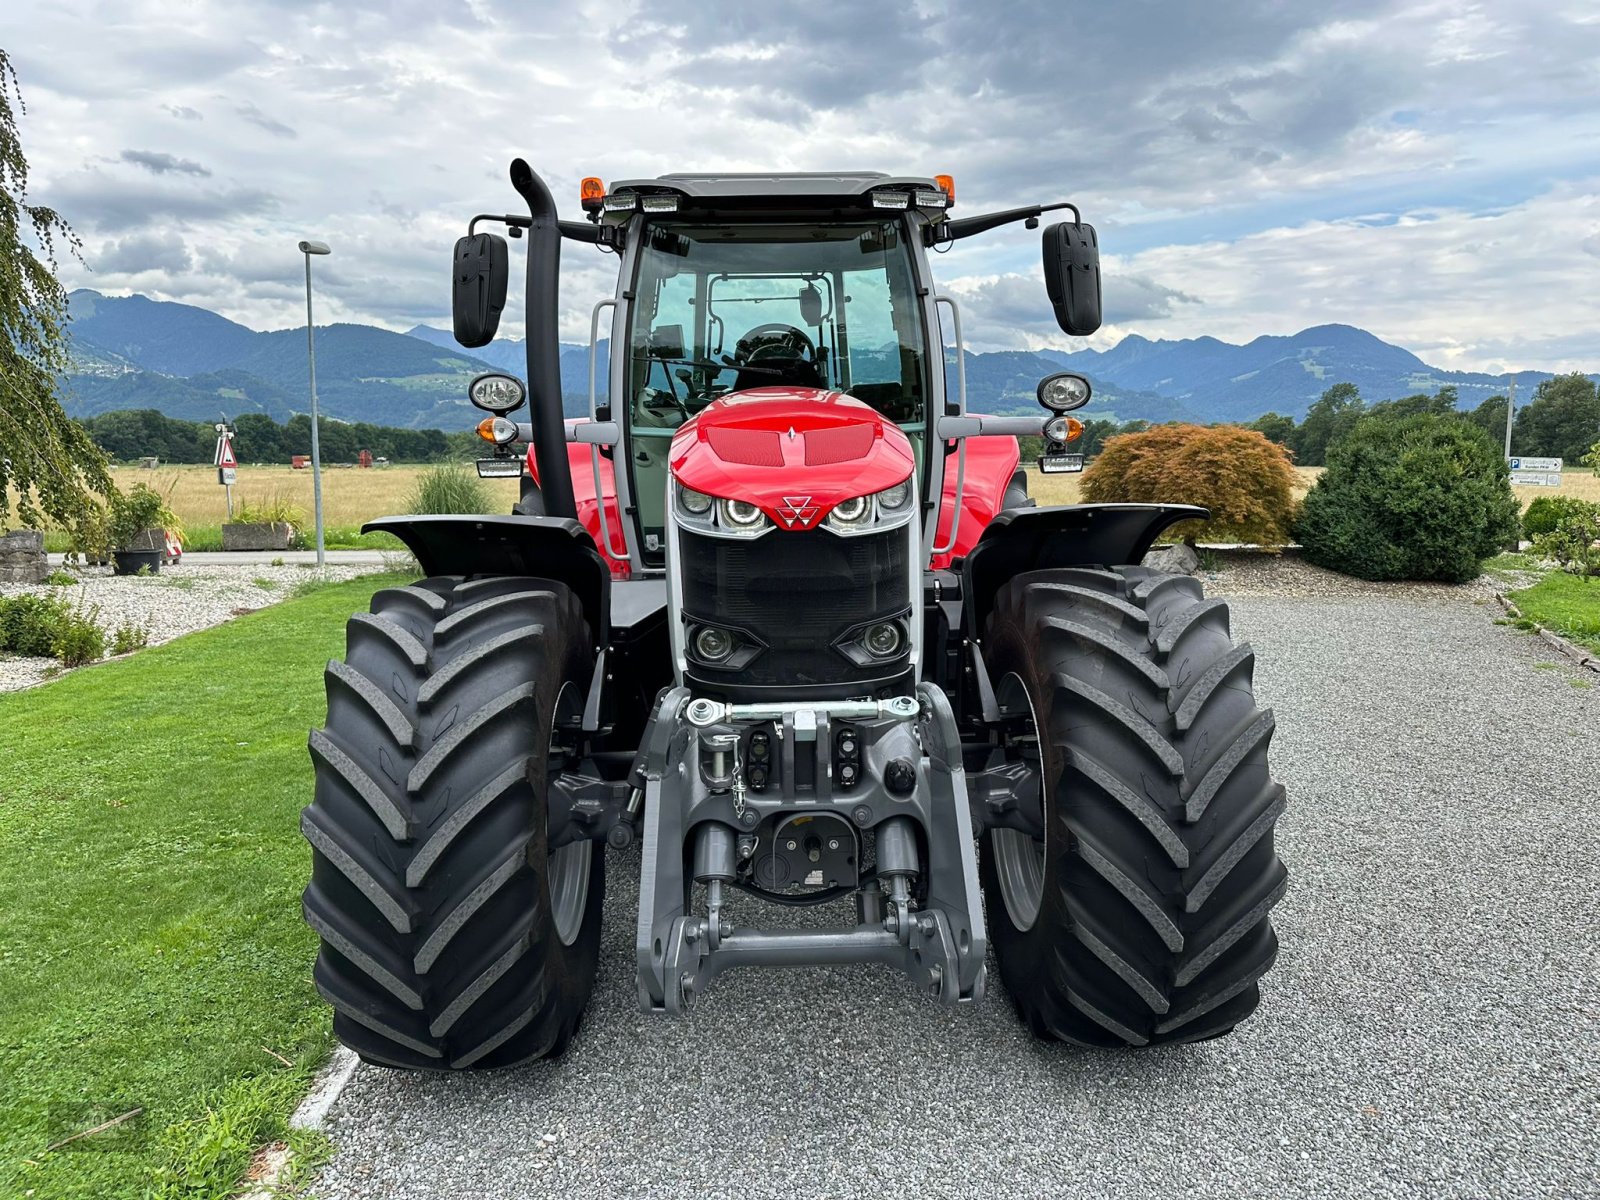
x: 1561, y: 421
x: 129, y: 434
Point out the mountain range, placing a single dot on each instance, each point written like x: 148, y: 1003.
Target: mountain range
x: 191, y: 363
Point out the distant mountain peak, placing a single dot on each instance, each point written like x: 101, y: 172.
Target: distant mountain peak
x: 136, y: 352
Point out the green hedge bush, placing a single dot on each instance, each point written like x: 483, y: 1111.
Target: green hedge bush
x: 1547, y: 512
x: 1426, y: 497
x: 1573, y: 542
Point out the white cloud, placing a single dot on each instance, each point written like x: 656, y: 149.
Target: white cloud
x: 1223, y: 150
x: 1489, y: 291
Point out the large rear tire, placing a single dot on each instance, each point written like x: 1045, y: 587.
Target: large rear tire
x: 1142, y: 916
x: 451, y: 936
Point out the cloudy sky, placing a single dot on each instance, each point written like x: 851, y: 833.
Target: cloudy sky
x: 1427, y: 170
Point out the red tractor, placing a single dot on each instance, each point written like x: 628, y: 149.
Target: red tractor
x: 781, y: 610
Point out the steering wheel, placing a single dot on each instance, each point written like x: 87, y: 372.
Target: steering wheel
x: 774, y: 340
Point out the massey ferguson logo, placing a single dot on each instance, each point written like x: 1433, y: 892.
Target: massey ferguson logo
x: 797, y: 510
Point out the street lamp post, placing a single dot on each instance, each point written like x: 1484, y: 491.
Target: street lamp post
x: 308, y: 249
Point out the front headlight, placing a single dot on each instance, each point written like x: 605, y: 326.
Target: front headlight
x: 851, y: 514
x: 868, y: 514
x: 716, y: 516
x: 741, y: 514
x: 895, y: 498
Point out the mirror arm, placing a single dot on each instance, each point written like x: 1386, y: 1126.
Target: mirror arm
x: 951, y: 231
x: 610, y: 236
x: 516, y: 224
x: 575, y: 231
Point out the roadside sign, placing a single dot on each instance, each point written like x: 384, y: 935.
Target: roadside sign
x: 227, y: 465
x: 1536, y: 478
x: 1536, y: 464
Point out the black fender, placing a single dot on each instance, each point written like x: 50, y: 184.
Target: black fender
x: 546, y: 547
x: 1062, y: 535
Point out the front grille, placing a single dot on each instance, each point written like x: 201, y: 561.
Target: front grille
x: 798, y: 593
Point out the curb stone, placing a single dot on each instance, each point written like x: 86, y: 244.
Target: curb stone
x: 1576, y: 653
x: 272, y: 1163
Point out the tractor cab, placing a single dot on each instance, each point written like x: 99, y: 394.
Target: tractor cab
x: 726, y: 307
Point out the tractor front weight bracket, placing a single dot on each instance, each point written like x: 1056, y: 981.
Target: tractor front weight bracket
x: 735, y: 795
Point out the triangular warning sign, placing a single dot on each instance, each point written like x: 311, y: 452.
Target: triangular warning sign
x: 226, y: 459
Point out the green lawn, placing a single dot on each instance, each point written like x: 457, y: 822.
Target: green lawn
x: 152, y: 954
x: 1565, y: 604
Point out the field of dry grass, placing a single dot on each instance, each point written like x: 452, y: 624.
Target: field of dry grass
x: 350, y: 495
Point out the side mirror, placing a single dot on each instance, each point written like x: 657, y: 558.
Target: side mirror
x: 479, y: 271
x: 1072, y: 276
x: 811, y: 305
x: 666, y: 341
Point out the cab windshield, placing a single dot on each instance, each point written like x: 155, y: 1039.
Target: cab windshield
x: 722, y: 308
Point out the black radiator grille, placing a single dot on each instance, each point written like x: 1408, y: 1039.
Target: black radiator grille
x: 798, y: 593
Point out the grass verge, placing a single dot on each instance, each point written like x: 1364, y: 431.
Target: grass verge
x: 152, y: 954
x: 209, y: 537
x: 1564, y: 604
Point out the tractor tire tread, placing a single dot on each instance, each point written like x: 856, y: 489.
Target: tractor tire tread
x: 438, y: 944
x: 1160, y: 871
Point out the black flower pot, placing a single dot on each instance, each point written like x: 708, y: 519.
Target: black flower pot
x: 131, y: 562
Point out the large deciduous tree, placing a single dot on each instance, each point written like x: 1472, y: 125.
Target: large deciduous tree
x: 45, y: 457
x: 1562, y: 421
x: 1328, y: 420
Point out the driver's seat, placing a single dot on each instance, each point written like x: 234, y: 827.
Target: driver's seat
x: 795, y: 372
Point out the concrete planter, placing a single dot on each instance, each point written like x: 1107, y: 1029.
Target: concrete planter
x: 22, y: 557
x: 257, y: 535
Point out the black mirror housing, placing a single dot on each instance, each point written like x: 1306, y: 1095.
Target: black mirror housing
x: 666, y: 341
x: 479, y: 271
x: 811, y: 305
x: 1072, y: 276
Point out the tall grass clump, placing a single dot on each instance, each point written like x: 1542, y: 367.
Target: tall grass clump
x: 449, y: 488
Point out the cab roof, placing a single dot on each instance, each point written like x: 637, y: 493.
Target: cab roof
x: 736, y: 194
x: 733, y: 186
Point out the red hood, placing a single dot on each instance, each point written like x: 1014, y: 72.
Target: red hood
x: 795, y: 452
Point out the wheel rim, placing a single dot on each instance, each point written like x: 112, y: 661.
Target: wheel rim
x: 567, y: 877
x: 566, y: 870
x: 1018, y: 858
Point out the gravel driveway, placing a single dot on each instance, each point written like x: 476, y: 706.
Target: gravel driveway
x: 181, y: 598
x: 1430, y: 1029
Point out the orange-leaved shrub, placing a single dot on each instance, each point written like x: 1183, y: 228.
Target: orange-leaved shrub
x: 1243, y: 478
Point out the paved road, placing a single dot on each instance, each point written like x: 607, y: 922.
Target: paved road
x: 1430, y: 1029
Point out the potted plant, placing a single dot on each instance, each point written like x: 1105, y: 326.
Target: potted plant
x: 138, y: 540
x: 90, y: 541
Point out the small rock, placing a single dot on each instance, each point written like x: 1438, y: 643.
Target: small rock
x: 1178, y: 559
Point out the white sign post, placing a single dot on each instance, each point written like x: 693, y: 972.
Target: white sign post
x: 1535, y: 472
x: 227, y: 465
